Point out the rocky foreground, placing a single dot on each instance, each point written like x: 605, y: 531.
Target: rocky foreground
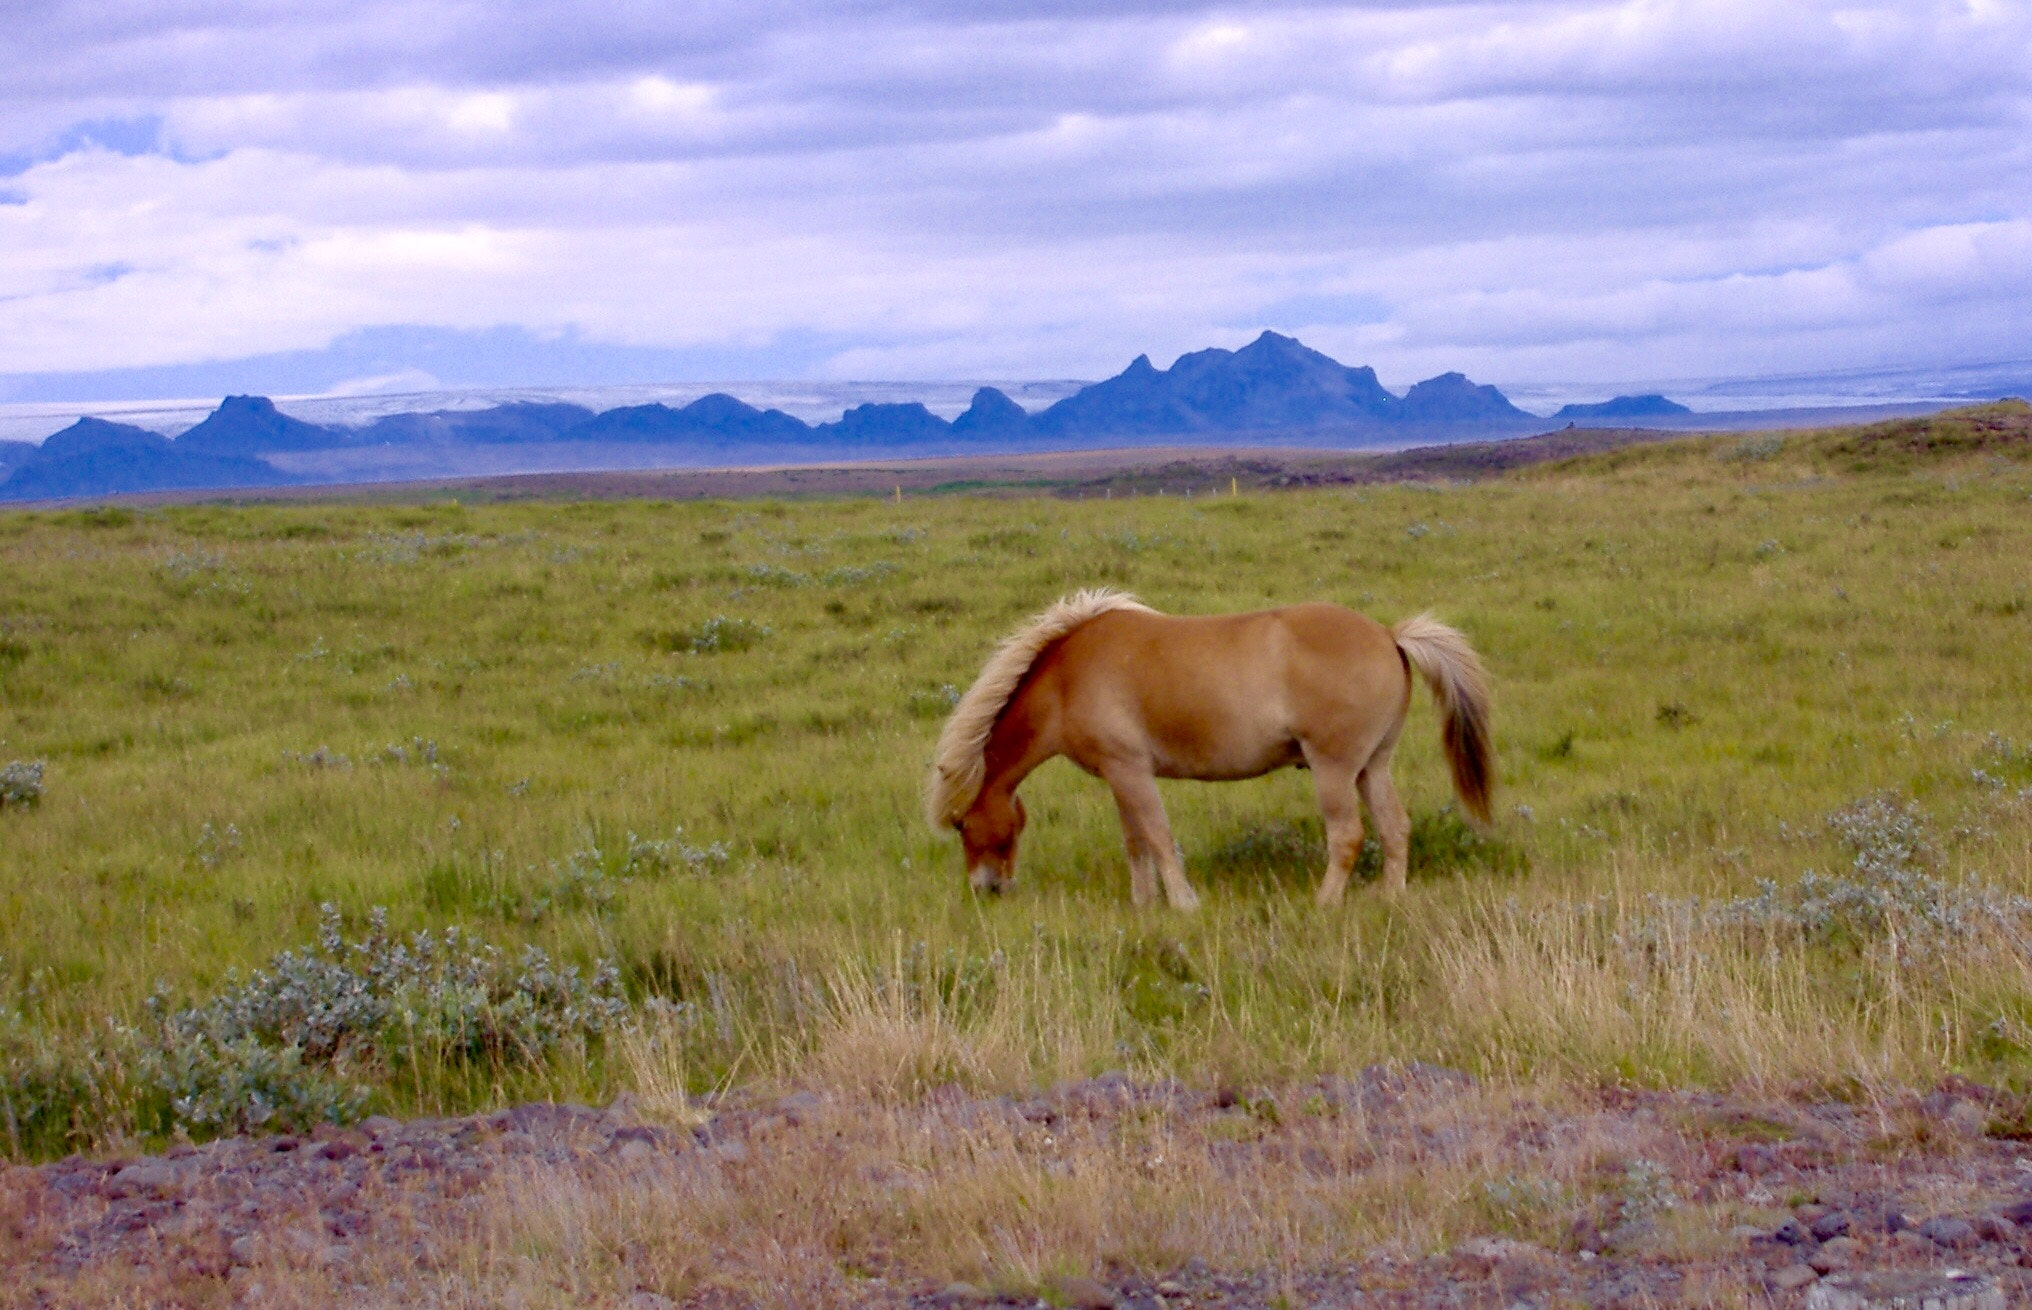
x: 813, y: 1199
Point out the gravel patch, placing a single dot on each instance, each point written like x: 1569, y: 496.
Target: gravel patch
x: 356, y: 1211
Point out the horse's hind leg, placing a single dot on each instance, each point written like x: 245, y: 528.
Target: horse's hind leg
x: 1393, y: 826
x: 1334, y: 782
x: 1147, y: 833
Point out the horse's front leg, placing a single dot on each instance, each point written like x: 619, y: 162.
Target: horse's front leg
x: 1153, y: 855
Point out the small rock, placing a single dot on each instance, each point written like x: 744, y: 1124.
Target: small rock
x: 1746, y: 1232
x: 799, y: 1106
x: 1895, y: 1221
x: 1829, y: 1225
x: 1953, y: 1290
x: 2018, y: 1212
x: 635, y: 1151
x: 1943, y: 1230
x: 1792, y: 1233
x: 1835, y: 1254
x: 380, y: 1125
x: 1793, y: 1277
x: 647, y: 1134
x: 1086, y: 1294
x: 144, y: 1178
x: 1168, y: 1288
x: 651, y: 1301
x: 960, y: 1294
x: 733, y: 1151
x: 1810, y: 1214
x: 242, y: 1251
x: 1968, y: 1118
x: 1755, y: 1159
x: 1995, y: 1228
x: 1494, y: 1250
x: 1907, y: 1241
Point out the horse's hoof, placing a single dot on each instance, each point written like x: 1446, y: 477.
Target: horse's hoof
x: 1187, y: 903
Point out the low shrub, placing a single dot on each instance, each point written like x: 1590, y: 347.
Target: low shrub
x: 20, y: 783
x: 717, y: 635
x: 1889, y: 889
x: 298, y: 1041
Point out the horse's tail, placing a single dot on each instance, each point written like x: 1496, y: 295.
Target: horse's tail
x: 1461, y: 686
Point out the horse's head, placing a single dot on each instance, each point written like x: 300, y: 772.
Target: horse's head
x: 989, y: 830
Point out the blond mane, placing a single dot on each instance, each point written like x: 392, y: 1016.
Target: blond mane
x: 958, y: 767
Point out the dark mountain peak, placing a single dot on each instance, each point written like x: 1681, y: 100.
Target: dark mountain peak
x: 1270, y: 351
x: 654, y: 421
x: 992, y: 413
x: 1275, y: 345
x: 1451, y: 398
x: 722, y: 413
x: 1274, y: 384
x: 879, y: 423
x: 719, y: 407
x: 92, y: 457
x: 257, y: 408
x: 246, y: 425
x: 1651, y: 405
x: 516, y: 421
x: 93, y: 435
x: 717, y: 416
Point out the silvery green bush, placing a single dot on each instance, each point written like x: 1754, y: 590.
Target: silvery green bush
x: 383, y: 992
x: 720, y: 633
x: 286, y: 1047
x: 243, y: 1086
x: 593, y: 876
x: 21, y: 783
x: 1890, y: 886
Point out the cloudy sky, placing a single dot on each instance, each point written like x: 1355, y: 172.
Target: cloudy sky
x: 464, y: 190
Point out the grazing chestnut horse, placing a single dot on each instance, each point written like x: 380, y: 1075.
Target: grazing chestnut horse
x: 1132, y: 695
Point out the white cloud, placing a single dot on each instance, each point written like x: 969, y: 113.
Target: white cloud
x: 1529, y: 190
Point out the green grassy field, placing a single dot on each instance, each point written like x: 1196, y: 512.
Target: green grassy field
x: 687, y: 738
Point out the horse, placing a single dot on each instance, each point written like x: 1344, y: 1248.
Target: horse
x: 1132, y: 695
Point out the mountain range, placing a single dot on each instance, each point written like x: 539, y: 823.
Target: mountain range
x: 1274, y: 390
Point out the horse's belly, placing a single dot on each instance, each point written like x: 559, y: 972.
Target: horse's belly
x: 1240, y: 756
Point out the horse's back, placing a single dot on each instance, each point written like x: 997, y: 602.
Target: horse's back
x: 1229, y: 695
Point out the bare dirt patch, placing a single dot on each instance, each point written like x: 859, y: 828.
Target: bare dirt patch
x: 1391, y: 1188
